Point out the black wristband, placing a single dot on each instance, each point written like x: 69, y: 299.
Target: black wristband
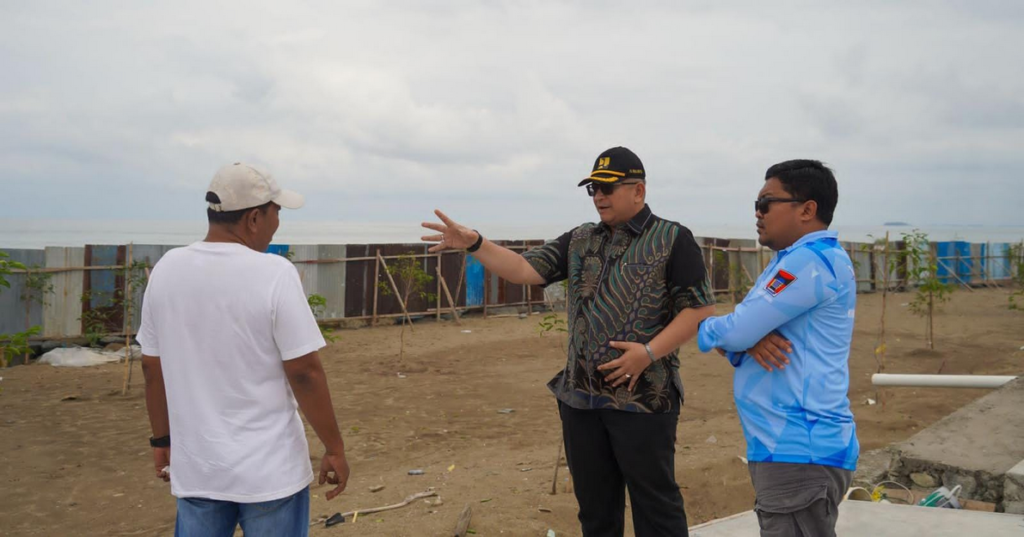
x: 476, y: 245
x: 163, y: 441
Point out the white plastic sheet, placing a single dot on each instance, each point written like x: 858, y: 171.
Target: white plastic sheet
x: 83, y: 357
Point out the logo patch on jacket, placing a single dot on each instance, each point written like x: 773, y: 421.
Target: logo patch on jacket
x: 779, y: 282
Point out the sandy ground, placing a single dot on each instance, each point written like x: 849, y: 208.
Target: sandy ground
x: 83, y: 467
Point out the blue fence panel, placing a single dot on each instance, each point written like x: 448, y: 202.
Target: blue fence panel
x: 474, y: 282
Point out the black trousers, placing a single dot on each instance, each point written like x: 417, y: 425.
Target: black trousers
x: 610, y: 451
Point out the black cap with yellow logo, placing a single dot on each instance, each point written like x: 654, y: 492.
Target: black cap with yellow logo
x: 614, y: 165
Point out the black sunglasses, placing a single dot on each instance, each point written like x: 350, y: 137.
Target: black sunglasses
x: 606, y: 188
x: 761, y: 205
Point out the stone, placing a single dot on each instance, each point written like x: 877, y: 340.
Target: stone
x: 967, y: 483
x: 113, y: 347
x: 1014, y: 508
x: 924, y: 480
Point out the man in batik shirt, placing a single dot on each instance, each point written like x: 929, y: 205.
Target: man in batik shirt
x: 637, y: 289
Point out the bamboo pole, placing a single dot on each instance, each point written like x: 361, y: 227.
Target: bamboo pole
x: 455, y: 313
x: 127, y: 320
x: 462, y: 275
x: 398, y: 294
x: 954, y: 275
x: 376, y: 286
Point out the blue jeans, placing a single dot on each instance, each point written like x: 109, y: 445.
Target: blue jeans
x: 286, y: 517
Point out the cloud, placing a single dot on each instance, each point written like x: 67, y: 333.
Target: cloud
x: 494, y: 110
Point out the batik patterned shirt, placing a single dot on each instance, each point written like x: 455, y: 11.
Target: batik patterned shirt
x: 623, y: 284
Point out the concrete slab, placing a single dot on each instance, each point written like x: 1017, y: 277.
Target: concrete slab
x: 885, y: 520
x: 973, y: 447
x: 1013, y: 490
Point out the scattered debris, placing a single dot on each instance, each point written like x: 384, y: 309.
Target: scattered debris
x: 506, y: 411
x: 376, y: 488
x: 416, y: 472
x: 467, y: 331
x: 408, y: 499
x: 742, y: 459
x: 485, y: 500
x: 544, y: 509
x: 401, y: 376
x: 450, y: 468
x: 69, y: 398
x: 870, y: 401
x: 336, y: 518
x: 712, y: 440
x: 527, y: 469
x: 551, y: 533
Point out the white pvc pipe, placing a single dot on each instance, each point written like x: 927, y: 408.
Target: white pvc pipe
x: 941, y: 381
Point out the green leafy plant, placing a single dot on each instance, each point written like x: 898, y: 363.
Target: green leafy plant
x: 317, y: 304
x: 1016, y: 262
x: 922, y: 269
x: 551, y: 323
x: 34, y: 290
x: 6, y: 268
x: 96, y: 321
x: 17, y: 344
x: 411, y: 279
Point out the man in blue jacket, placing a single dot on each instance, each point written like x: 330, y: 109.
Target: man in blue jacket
x: 801, y: 438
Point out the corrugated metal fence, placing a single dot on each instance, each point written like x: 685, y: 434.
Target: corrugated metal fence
x: 90, y: 282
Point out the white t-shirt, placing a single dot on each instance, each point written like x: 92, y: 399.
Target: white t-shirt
x: 222, y: 318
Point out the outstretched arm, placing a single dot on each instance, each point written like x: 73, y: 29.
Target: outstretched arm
x: 505, y: 263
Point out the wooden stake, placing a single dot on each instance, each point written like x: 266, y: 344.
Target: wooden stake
x: 376, y: 286
x: 554, y: 480
x: 462, y: 276
x: 394, y: 287
x: 954, y: 275
x: 462, y: 524
x: 444, y: 284
x: 127, y: 321
x: 487, y: 290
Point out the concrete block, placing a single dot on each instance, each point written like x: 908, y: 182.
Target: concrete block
x: 1014, y: 508
x: 1013, y: 490
x: 873, y: 467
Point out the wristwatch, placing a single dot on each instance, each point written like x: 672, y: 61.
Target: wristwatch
x: 163, y: 441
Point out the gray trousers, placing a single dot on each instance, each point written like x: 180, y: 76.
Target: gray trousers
x: 798, y: 500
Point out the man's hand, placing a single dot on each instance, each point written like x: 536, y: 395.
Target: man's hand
x: 452, y: 236
x: 336, y: 464
x: 771, y: 350
x: 629, y: 366
x: 161, y: 462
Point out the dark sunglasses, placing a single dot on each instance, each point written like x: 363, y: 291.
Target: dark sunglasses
x: 606, y: 188
x: 762, y: 205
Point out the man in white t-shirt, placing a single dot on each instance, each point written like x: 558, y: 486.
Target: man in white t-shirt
x: 229, y: 350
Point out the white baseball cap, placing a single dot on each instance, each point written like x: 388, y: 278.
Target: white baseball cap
x: 241, y: 186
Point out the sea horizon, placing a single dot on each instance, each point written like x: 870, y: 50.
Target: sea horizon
x: 40, y: 233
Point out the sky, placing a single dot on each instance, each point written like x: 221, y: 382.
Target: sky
x: 493, y: 111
